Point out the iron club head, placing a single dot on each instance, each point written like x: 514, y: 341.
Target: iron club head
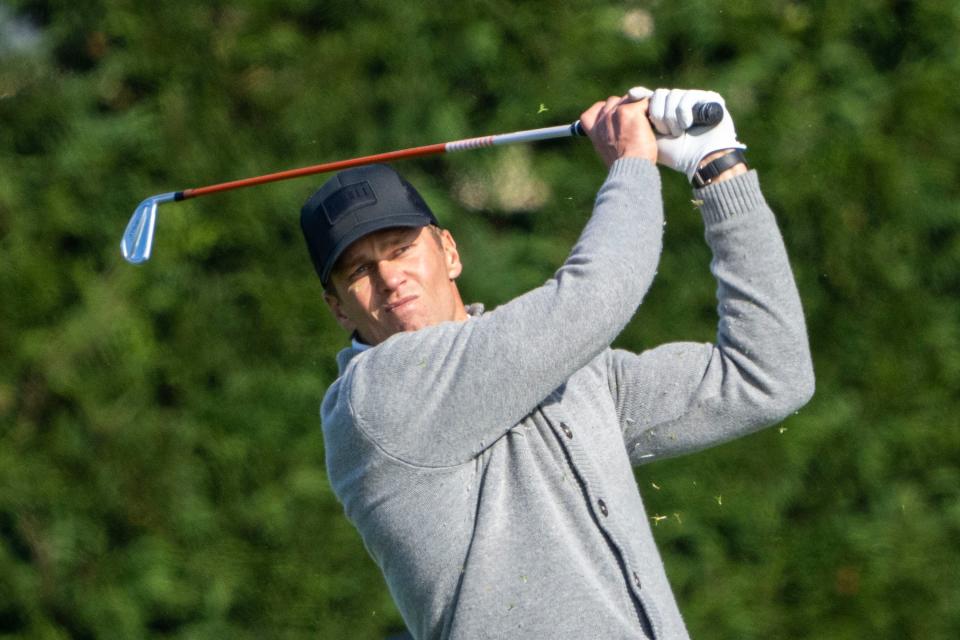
x: 137, y: 241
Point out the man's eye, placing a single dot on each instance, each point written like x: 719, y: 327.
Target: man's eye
x: 359, y: 271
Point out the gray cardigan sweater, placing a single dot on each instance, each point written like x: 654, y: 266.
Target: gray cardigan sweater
x: 487, y: 463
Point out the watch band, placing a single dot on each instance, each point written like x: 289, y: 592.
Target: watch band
x: 709, y: 172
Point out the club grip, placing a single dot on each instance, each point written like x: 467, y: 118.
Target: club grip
x: 705, y: 114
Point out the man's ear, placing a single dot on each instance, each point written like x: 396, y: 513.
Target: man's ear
x: 337, y: 309
x: 451, y: 255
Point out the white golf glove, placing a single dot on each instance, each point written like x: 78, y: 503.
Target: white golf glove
x: 671, y: 114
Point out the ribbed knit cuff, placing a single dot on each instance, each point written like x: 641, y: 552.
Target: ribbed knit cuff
x: 633, y: 168
x: 736, y: 196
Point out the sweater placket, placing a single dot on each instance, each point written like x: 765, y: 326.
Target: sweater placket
x: 604, y: 517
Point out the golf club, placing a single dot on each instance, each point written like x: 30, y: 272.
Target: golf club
x: 137, y: 242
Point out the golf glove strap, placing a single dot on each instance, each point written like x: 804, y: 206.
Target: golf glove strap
x: 679, y: 146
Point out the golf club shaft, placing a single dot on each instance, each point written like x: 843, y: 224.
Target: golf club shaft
x: 529, y: 135
x: 704, y: 114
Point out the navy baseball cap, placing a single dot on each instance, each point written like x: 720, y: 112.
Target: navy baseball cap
x: 354, y: 203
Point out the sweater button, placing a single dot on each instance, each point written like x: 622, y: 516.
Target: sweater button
x: 636, y: 579
x: 603, y: 507
x: 566, y: 430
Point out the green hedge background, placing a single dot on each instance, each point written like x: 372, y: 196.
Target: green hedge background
x: 161, y: 462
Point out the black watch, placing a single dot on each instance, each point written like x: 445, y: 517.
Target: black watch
x: 709, y: 172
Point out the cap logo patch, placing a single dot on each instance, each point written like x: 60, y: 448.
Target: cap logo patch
x: 347, y: 199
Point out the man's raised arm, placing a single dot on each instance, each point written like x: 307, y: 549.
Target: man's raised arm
x: 682, y: 397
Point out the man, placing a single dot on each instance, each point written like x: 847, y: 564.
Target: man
x: 486, y: 458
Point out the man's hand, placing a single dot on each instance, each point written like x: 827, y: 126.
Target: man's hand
x: 683, y: 148
x: 618, y: 128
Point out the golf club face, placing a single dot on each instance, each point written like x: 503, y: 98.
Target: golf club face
x: 137, y: 242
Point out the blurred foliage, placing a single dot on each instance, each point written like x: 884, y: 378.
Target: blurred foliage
x: 161, y: 465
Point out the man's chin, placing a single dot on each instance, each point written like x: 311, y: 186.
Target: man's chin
x: 403, y: 327
x: 412, y: 326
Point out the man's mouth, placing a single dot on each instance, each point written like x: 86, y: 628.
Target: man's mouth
x: 393, y: 306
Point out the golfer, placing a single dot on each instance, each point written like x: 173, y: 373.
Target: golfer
x: 486, y: 457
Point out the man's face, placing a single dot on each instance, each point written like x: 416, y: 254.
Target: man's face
x: 396, y: 280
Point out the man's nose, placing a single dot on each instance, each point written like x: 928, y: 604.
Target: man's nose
x: 390, y: 273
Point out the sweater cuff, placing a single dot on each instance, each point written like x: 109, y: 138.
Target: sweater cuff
x: 633, y: 168
x: 736, y: 196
